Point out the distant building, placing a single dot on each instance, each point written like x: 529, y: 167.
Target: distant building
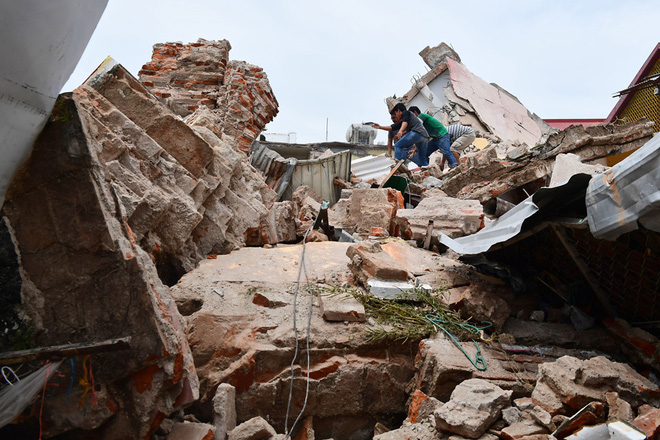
x: 565, y: 123
x: 284, y: 138
x: 642, y: 97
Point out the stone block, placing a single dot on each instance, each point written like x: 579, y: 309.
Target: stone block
x: 341, y: 307
x: 522, y: 429
x: 649, y: 423
x: 474, y: 405
x: 414, y: 260
x: 480, y: 304
x: 367, y: 260
x: 452, y: 216
x: 224, y: 410
x: 254, y: 429
x: 371, y: 207
x: 421, y: 407
x: 577, y: 383
x: 191, y: 431
x: 618, y: 409
x: 413, y: 431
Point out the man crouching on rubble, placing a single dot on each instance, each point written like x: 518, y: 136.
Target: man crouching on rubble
x: 438, y: 137
x: 411, y: 138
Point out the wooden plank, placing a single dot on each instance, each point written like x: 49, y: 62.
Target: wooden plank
x: 67, y: 350
x: 396, y: 167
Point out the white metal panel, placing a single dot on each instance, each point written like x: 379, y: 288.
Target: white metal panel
x: 42, y: 42
x: 629, y: 192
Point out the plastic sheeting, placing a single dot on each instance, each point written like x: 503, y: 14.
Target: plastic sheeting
x: 16, y: 397
x: 626, y: 194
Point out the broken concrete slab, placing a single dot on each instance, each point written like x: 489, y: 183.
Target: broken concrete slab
x: 486, y: 177
x: 434, y: 56
x: 473, y: 406
x: 525, y: 430
x: 566, y: 165
x: 441, y: 366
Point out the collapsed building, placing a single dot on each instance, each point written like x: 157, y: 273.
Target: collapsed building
x: 140, y: 224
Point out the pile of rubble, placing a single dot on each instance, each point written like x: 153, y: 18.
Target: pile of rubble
x: 139, y: 216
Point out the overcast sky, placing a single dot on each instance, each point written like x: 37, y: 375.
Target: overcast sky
x: 337, y: 60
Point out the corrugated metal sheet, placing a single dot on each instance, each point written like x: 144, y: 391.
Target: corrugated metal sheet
x: 372, y: 167
x: 545, y: 204
x: 626, y: 194
x: 276, y: 169
x: 319, y: 175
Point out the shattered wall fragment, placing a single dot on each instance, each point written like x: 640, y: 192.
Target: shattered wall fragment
x: 185, y: 192
x: 190, y: 77
x: 87, y: 279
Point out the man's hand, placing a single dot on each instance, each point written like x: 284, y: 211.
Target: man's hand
x: 398, y: 136
x: 411, y: 153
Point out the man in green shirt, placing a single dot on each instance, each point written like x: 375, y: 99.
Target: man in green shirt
x: 439, y: 137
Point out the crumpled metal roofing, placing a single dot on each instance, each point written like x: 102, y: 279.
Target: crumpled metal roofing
x: 629, y: 192
x: 614, y: 203
x: 555, y: 203
x: 371, y: 167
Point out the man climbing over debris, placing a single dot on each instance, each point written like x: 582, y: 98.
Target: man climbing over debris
x: 410, y: 136
x: 461, y: 137
x: 438, y: 137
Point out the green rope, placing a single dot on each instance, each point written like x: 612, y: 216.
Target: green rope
x: 479, y: 362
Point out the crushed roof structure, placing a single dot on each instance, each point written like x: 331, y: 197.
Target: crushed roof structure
x: 453, y: 94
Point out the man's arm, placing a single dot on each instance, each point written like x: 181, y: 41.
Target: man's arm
x: 401, y: 132
x: 382, y: 127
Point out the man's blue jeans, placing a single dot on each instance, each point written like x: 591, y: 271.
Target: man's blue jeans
x: 442, y: 144
x: 404, y: 145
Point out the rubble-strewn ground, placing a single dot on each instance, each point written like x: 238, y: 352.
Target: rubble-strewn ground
x: 139, y: 215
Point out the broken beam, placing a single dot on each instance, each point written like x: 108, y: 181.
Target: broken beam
x: 582, y: 266
x: 61, y: 351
